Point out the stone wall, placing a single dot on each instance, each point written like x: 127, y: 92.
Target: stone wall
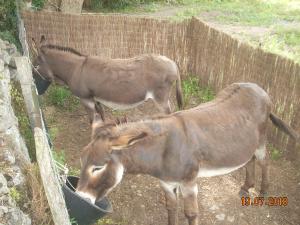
x: 13, y: 151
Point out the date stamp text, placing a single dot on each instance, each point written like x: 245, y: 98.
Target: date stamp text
x: 268, y: 201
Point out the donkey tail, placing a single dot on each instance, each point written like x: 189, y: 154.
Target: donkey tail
x: 284, y: 126
x: 179, y: 97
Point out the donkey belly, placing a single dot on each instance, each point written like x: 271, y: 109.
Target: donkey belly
x: 216, y: 171
x: 123, y: 106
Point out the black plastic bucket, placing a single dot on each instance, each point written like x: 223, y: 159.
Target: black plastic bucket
x: 40, y: 83
x: 82, y: 211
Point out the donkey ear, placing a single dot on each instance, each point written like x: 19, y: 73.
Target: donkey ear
x: 127, y: 140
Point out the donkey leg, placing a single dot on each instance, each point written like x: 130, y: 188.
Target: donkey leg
x: 250, y: 177
x: 171, y: 202
x: 99, y: 110
x: 263, y: 161
x: 189, y: 193
x: 162, y: 99
x: 89, y: 106
x: 164, y: 106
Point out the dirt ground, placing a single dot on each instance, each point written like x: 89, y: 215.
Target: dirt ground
x: 138, y: 200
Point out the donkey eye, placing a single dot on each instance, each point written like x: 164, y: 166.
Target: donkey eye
x: 97, y: 168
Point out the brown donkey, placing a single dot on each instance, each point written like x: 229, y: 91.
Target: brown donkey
x: 212, y: 139
x: 116, y: 83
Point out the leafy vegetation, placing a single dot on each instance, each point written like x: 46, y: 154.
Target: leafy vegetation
x: 246, y: 12
x: 59, y: 156
x: 275, y: 153
x: 8, y: 22
x: 279, y: 16
x: 38, y: 4
x: 195, y: 94
x: 15, y: 194
x: 53, y: 131
x: 283, y: 41
x: 124, y: 5
x: 62, y: 98
x: 38, y: 205
x: 73, y: 221
x: 108, y: 221
x: 274, y: 15
x: 23, y: 120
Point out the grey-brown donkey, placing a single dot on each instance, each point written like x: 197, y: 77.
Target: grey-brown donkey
x: 212, y: 139
x: 116, y: 83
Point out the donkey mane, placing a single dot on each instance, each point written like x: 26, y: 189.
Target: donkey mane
x: 106, y: 131
x: 65, y: 49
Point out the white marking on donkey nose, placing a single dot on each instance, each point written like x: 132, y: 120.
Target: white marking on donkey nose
x: 87, y: 196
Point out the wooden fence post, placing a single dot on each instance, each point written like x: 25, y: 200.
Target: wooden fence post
x: 51, y: 183
x: 29, y: 91
x: 47, y: 169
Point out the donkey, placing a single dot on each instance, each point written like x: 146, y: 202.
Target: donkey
x: 116, y: 83
x: 214, y: 138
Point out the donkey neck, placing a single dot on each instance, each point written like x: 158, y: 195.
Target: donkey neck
x: 64, y: 64
x: 146, y: 157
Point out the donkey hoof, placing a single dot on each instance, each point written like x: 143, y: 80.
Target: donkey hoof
x: 244, y: 193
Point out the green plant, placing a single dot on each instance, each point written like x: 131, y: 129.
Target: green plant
x: 107, y: 221
x: 283, y: 41
x: 59, y: 156
x: 18, y: 105
x: 53, y: 131
x: 126, y: 5
x: 190, y: 88
x: 39, y: 4
x: 62, y: 98
x: 15, y: 194
x: 74, y: 171
x: 73, y: 221
x: 118, y: 113
x: 8, y: 22
x: 275, y: 153
x: 192, y: 91
x: 38, y: 208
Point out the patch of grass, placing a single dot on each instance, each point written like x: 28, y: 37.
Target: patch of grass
x: 38, y: 4
x: 107, y: 221
x: 15, y: 194
x: 193, y: 93
x: 59, y: 156
x: 73, y: 221
x: 38, y: 205
x: 18, y: 105
x: 53, y: 131
x: 62, y: 98
x: 8, y: 22
x: 246, y: 12
x: 118, y: 113
x: 74, y: 171
x: 284, y: 39
x: 285, y: 42
x: 275, y: 153
x: 129, y: 6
